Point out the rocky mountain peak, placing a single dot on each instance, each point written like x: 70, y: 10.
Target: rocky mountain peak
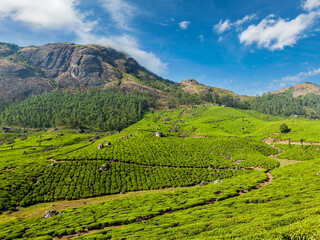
x: 33, y: 70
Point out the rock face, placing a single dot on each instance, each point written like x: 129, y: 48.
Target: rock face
x: 74, y: 65
x: 51, y: 213
x: 34, y: 70
x: 17, y: 81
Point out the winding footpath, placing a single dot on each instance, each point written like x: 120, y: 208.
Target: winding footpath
x: 86, y: 231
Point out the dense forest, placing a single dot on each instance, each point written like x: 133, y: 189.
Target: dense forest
x: 96, y: 109
x: 284, y: 104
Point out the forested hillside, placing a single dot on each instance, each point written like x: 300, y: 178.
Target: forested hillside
x: 95, y: 110
x: 284, y: 104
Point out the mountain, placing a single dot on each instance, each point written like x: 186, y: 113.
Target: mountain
x: 301, y: 89
x: 29, y: 71
x: 88, y: 86
x: 33, y: 70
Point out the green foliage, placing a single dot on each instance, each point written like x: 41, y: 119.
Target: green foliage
x: 285, y: 209
x: 97, y: 109
x: 74, y: 180
x: 284, y: 128
x: 129, y: 209
x: 278, y: 104
x: 298, y: 152
x: 284, y: 104
x: 174, y: 151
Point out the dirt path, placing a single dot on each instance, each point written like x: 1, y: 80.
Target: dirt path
x: 283, y: 162
x: 271, y: 141
x: 86, y: 231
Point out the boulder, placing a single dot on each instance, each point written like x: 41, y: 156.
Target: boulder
x: 51, y: 213
x: 79, y: 130
x: 104, y: 167
x: 216, y: 181
x: 53, y: 164
x: 159, y: 134
x: 202, y: 184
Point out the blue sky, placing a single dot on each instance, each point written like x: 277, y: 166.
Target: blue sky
x: 249, y: 47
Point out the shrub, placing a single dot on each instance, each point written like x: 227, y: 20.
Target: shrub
x: 284, y: 128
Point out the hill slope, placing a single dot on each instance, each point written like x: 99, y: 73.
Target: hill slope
x: 192, y: 86
x: 301, y: 89
x: 200, y: 145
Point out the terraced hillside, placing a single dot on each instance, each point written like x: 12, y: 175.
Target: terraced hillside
x: 183, y: 173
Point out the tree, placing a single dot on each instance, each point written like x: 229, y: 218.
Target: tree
x: 284, y: 128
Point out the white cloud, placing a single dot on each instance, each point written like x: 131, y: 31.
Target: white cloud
x: 222, y: 26
x: 246, y: 19
x: 294, y: 79
x: 120, y: 11
x: 184, y: 25
x: 275, y: 33
x: 51, y: 14
x: 310, y: 5
x: 129, y: 45
x: 226, y: 25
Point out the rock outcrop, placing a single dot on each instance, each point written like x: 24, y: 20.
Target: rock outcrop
x: 51, y: 213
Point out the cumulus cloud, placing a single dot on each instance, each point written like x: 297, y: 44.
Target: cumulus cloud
x: 222, y: 26
x: 129, y: 45
x: 184, y: 25
x: 226, y: 25
x: 294, y: 79
x: 311, y: 4
x: 276, y: 33
x: 120, y: 11
x: 51, y: 14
